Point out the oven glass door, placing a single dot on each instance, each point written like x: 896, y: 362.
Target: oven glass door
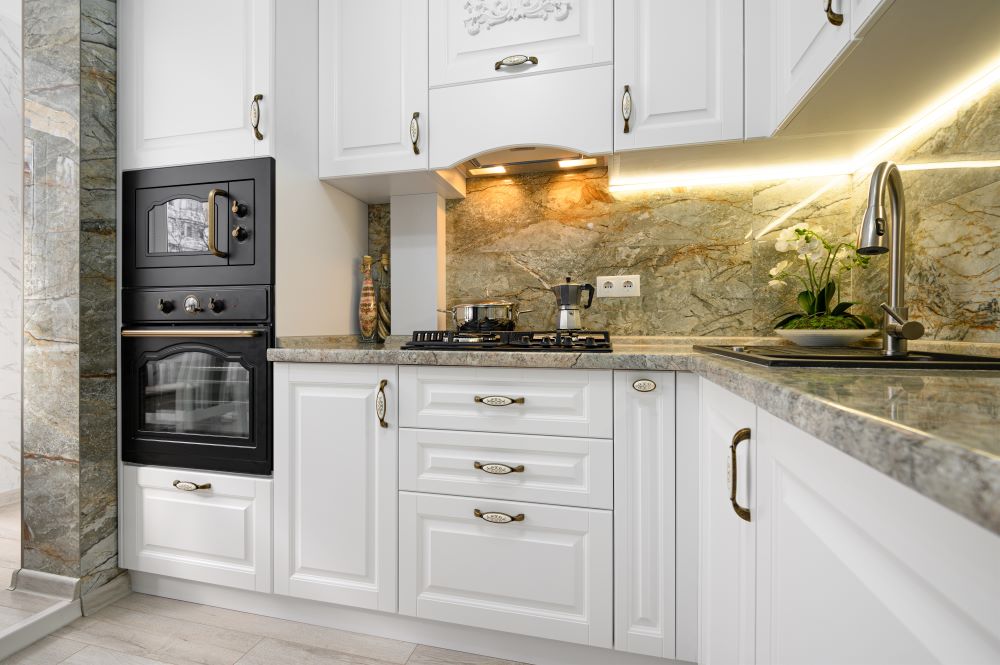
x: 197, y: 401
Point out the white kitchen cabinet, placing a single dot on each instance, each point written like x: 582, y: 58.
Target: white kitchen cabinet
x: 853, y: 566
x: 470, y: 40
x: 865, y: 12
x: 726, y: 607
x: 645, y: 513
x: 681, y: 64
x: 538, y: 570
x: 188, y: 72
x: 195, y: 525
x: 335, y: 483
x: 372, y: 87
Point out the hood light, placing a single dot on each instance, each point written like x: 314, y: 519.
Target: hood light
x: 577, y: 163
x: 488, y: 170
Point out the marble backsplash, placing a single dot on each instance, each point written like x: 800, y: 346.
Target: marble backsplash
x: 703, y: 253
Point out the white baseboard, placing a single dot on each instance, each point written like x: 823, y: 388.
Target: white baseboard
x: 27, y: 632
x: 45, y: 583
x: 103, y: 596
x: 393, y: 626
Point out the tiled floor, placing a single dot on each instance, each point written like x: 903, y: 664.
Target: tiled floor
x: 10, y: 542
x: 147, y: 630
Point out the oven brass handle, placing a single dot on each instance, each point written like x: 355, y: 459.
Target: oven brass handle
x: 514, y: 61
x: 380, y: 403
x: 187, y: 332
x: 211, y: 222
x: 833, y: 17
x: 497, y: 400
x: 498, y: 469
x: 494, y: 517
x: 738, y: 438
x: 188, y: 486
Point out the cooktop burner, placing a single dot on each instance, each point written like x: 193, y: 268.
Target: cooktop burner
x: 515, y: 340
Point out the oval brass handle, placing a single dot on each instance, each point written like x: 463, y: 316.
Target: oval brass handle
x: 498, y: 400
x: 188, y: 486
x: 415, y: 132
x: 212, y: 247
x: 380, y: 403
x: 627, y: 107
x: 497, y: 518
x: 833, y: 17
x: 498, y: 469
x: 514, y: 61
x: 738, y: 438
x: 255, y: 117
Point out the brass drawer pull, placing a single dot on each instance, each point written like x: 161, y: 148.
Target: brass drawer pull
x: 188, y: 486
x: 514, y: 61
x: 738, y: 438
x: 415, y: 132
x: 498, y: 469
x: 255, y: 116
x: 380, y: 403
x: 627, y: 107
x: 497, y: 518
x: 833, y: 17
x: 498, y: 400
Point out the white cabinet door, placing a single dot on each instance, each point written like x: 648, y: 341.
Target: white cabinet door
x: 682, y: 63
x: 335, y: 484
x: 546, y: 573
x: 864, y: 13
x: 807, y: 43
x: 372, y: 86
x: 194, y: 525
x: 644, y: 513
x: 188, y: 73
x: 469, y: 39
x: 854, y: 567
x: 726, y: 608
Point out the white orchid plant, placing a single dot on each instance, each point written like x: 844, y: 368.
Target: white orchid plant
x: 818, y: 266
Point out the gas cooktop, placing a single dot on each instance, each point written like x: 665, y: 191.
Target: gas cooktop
x: 515, y: 340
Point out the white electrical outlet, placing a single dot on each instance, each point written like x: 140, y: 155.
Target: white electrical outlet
x: 617, y: 286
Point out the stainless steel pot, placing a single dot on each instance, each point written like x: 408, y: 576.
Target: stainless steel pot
x: 484, y: 316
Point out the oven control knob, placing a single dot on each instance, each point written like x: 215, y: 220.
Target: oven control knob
x: 216, y: 305
x: 239, y: 209
x: 165, y: 306
x: 192, y: 305
x: 240, y: 233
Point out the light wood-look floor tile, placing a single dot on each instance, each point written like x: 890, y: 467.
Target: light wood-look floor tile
x: 29, y: 602
x: 100, y: 656
x: 424, y: 655
x: 278, y: 652
x: 46, y: 651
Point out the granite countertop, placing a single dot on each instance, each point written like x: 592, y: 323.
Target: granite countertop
x: 937, y: 432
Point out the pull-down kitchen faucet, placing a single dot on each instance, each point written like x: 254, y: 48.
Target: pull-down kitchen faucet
x: 872, y: 240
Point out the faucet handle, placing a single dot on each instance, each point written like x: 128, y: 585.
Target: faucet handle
x: 903, y: 327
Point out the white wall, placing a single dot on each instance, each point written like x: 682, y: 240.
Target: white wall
x: 11, y: 169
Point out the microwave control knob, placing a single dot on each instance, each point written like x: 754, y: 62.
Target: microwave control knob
x: 216, y: 305
x: 240, y: 233
x: 165, y: 306
x: 239, y: 209
x: 192, y: 305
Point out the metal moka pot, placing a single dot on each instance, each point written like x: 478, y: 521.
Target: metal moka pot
x: 569, y: 297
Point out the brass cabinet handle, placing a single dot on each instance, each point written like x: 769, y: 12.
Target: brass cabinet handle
x: 212, y: 247
x: 738, y: 438
x: 380, y: 403
x: 833, y: 17
x: 415, y: 132
x: 188, y: 486
x: 498, y: 469
x: 497, y: 518
x: 627, y: 107
x: 498, y: 400
x: 255, y: 117
x: 514, y: 61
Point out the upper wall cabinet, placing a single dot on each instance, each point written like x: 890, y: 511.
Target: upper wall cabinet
x: 190, y: 72
x: 491, y: 39
x: 678, y: 72
x: 372, y: 87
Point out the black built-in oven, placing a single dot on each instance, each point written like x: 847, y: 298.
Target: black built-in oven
x: 198, y: 316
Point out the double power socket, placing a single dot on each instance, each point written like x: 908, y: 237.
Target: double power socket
x: 617, y: 286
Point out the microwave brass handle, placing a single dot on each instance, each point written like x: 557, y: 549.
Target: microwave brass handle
x: 415, y: 132
x: 255, y: 117
x: 494, y: 517
x: 187, y: 332
x: 627, y: 107
x: 380, y: 403
x: 833, y: 17
x: 738, y: 438
x: 514, y: 61
x: 188, y: 486
x: 212, y: 247
x: 498, y: 469
x: 497, y: 400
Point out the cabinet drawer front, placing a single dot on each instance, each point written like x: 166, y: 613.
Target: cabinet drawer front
x: 468, y: 39
x: 546, y: 469
x: 562, y: 402
x: 219, y: 534
x: 547, y: 575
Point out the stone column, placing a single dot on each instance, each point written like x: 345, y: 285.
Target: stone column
x: 70, y: 291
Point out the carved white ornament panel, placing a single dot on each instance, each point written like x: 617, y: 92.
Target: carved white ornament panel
x: 495, y: 12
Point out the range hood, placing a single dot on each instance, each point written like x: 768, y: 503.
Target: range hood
x: 527, y: 159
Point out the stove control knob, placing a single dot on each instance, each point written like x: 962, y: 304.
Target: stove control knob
x: 165, y: 306
x: 240, y: 233
x: 239, y: 209
x: 216, y: 305
x: 192, y: 305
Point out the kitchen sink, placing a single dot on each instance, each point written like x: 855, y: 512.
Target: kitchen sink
x: 861, y: 357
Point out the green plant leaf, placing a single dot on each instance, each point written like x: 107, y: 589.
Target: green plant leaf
x: 825, y: 297
x: 842, y: 308
x: 788, y: 319
x: 807, y: 301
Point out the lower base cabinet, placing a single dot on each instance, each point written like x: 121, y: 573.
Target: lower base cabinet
x: 525, y: 568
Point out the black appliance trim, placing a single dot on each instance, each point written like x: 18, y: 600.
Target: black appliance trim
x: 565, y: 341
